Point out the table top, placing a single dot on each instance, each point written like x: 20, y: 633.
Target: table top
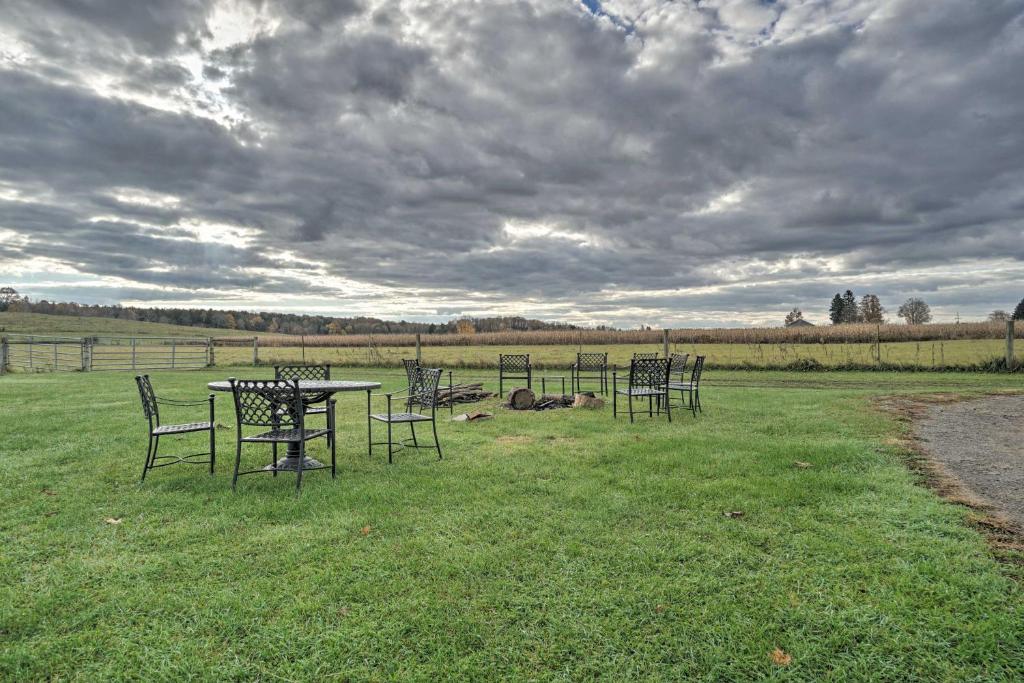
x: 317, y: 386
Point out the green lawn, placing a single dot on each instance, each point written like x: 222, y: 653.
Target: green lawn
x: 560, y: 545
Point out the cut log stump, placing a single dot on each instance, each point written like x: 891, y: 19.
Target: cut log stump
x: 521, y: 399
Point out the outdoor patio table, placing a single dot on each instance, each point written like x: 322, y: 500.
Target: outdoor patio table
x: 313, y: 391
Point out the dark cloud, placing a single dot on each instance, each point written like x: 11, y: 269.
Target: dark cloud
x: 645, y: 159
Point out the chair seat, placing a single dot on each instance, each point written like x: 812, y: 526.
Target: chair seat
x: 182, y: 429
x: 402, y: 417
x: 680, y: 386
x: 641, y: 391
x: 286, y: 435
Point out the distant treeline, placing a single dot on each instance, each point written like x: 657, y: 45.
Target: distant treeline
x: 280, y: 323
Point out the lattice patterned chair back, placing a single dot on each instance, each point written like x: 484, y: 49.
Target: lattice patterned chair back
x: 644, y: 356
x: 268, y: 403
x: 514, y: 362
x: 698, y: 368
x: 423, y: 389
x: 411, y: 364
x: 679, y: 362
x: 648, y: 373
x: 149, y: 405
x: 589, y: 362
x: 303, y: 372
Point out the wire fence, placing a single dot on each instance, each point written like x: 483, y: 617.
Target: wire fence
x: 34, y: 353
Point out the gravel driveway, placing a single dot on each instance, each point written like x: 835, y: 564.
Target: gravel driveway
x: 981, y: 442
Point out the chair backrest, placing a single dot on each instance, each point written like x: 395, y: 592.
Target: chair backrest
x: 149, y: 405
x: 644, y: 356
x: 513, y: 362
x: 423, y: 388
x: 307, y: 372
x: 698, y: 368
x: 410, y: 369
x: 591, y: 361
x: 648, y: 373
x: 267, y: 402
x: 679, y: 361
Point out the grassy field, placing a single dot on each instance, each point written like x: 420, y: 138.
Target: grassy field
x: 66, y: 325
x: 922, y: 355
x: 552, y: 546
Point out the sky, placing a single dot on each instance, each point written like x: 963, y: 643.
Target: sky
x: 660, y: 162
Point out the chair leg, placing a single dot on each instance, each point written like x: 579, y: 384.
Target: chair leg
x: 412, y: 428
x: 389, y: 442
x: 668, y: 405
x: 433, y: 424
x: 650, y: 406
x: 273, y: 451
x: 333, y: 426
x: 213, y: 448
x: 149, y: 453
x: 631, y: 408
x: 369, y: 427
x: 238, y: 460
x: 298, y: 470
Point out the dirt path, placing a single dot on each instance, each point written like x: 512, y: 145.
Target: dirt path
x: 981, y: 443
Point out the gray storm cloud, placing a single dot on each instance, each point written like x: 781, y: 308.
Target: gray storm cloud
x: 696, y: 158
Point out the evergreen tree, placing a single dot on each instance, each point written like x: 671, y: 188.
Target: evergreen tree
x: 794, y: 315
x: 835, y: 311
x: 851, y: 314
x: 1018, y: 313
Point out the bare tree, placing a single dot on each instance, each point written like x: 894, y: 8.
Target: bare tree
x: 871, y: 309
x: 915, y: 311
x: 794, y: 315
x: 998, y: 316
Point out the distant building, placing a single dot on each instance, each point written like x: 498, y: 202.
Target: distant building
x: 799, y: 322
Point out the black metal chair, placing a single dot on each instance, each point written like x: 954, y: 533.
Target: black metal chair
x: 421, y: 395
x: 306, y: 372
x: 514, y: 366
x: 691, y: 388
x: 596, y: 365
x: 679, y: 363
x: 277, y: 404
x: 648, y: 377
x: 151, y: 408
x: 644, y: 356
x: 411, y: 364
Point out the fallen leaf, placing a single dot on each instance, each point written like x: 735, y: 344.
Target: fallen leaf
x: 48, y: 492
x: 733, y: 513
x: 343, y: 611
x: 365, y: 531
x: 781, y: 657
x: 113, y: 520
x: 802, y: 465
x: 659, y: 609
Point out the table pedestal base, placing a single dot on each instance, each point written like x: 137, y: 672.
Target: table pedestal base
x: 290, y: 463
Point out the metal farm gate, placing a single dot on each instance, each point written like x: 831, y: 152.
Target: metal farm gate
x: 25, y: 353
x: 148, y: 353
x: 42, y: 354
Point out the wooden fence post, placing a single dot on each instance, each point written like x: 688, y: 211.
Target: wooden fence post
x: 209, y: 352
x: 173, y: 349
x: 255, y: 351
x: 133, y: 353
x: 417, y: 347
x: 84, y: 360
x: 1010, y: 359
x: 4, y: 355
x: 664, y: 341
